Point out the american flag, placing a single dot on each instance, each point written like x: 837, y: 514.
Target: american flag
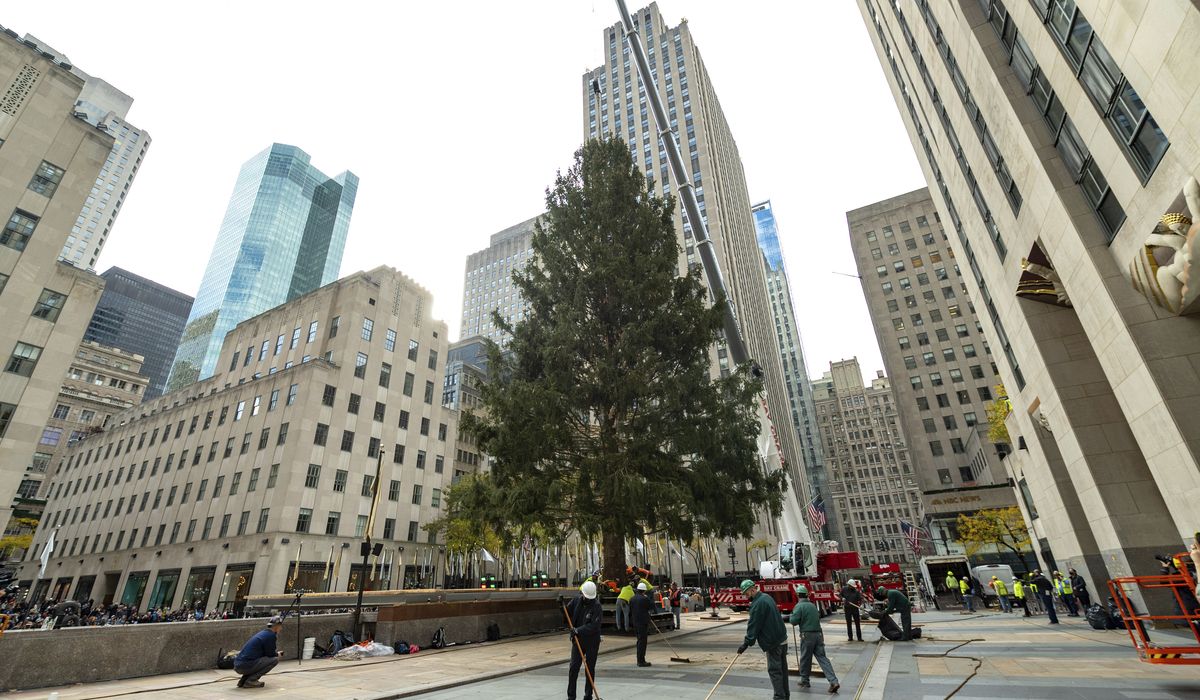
x: 913, y: 534
x: 816, y: 513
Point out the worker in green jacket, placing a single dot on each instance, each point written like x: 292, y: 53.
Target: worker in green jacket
x: 897, y: 602
x: 766, y: 627
x: 807, y: 620
x: 1001, y: 590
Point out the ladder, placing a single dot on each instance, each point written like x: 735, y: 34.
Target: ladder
x: 913, y: 591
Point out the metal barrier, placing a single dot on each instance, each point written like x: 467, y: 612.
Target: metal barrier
x: 1182, y: 587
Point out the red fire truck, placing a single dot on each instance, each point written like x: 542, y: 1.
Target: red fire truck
x: 822, y: 590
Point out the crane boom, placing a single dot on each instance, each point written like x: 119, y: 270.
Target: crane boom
x: 792, y: 529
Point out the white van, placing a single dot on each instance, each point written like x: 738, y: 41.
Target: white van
x: 983, y: 574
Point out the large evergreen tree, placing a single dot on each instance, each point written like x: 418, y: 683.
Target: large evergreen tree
x: 601, y: 416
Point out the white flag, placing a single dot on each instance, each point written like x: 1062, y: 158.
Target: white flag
x: 46, y: 552
x: 487, y: 556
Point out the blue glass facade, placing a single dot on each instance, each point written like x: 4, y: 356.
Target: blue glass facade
x: 283, y: 236
x: 138, y: 315
x: 768, y: 235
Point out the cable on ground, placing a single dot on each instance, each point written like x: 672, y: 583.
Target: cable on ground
x: 946, y: 655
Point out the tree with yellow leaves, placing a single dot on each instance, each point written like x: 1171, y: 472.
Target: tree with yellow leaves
x: 997, y: 411
x: 999, y: 527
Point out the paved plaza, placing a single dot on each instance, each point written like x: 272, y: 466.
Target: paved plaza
x: 1010, y: 657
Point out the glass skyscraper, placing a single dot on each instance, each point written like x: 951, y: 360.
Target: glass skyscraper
x: 141, y: 316
x: 283, y: 236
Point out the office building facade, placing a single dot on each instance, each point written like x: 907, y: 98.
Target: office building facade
x: 143, y: 317
x: 283, y: 236
x: 1059, y: 141
x: 214, y: 492
x: 619, y: 109
x: 49, y: 161
x: 488, y: 286
x: 101, y: 382
x: 791, y: 354
x: 872, y: 481
x: 105, y: 107
x: 932, y: 340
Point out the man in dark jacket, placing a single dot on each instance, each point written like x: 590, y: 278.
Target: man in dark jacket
x: 259, y: 655
x: 585, y: 614
x: 766, y: 627
x: 1045, y: 592
x: 851, y: 599
x: 1080, y: 587
x: 897, y: 602
x: 639, y: 615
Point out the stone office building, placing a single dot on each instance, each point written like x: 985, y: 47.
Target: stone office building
x: 1061, y: 143
x: 213, y: 492
x: 49, y: 159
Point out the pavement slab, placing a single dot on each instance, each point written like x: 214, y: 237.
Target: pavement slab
x: 988, y: 655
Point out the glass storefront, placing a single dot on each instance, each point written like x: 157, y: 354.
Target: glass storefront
x: 199, y: 586
x: 311, y: 578
x: 163, y: 593
x: 235, y: 586
x: 135, y: 586
x: 83, y: 589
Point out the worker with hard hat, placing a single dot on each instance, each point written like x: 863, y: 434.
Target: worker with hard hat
x: 639, y: 615
x: 585, y: 616
x: 807, y: 620
x: 952, y: 585
x: 623, y: 601
x: 1001, y: 589
x: 852, y: 598
x: 765, y: 626
x: 897, y: 602
x: 1021, y: 592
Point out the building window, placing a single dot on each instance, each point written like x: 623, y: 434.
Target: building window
x: 398, y: 457
x: 347, y: 441
x: 385, y: 375
x: 360, y: 365
x: 273, y: 476
x: 291, y: 396
x: 353, y: 404
x: 24, y: 359
x: 283, y: 433
x: 416, y: 494
x: 412, y: 350
x: 49, y: 305
x: 18, y: 230
x: 368, y: 328
x: 313, y: 477
x: 303, y: 520
x: 331, y: 523
x: 420, y: 459
x: 368, y: 485
x: 409, y: 380
x: 394, y: 490
x: 339, y: 480
x: 389, y: 340
x: 46, y: 179
x: 262, y: 520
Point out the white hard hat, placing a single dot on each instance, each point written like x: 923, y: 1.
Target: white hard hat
x: 588, y: 589
x: 643, y: 587
x: 851, y: 582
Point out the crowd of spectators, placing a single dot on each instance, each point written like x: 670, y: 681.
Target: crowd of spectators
x: 24, y: 615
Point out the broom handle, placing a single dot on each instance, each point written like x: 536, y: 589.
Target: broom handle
x: 714, y: 688
x: 659, y: 632
x: 582, y: 656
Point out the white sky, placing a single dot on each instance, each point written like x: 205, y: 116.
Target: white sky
x: 456, y: 116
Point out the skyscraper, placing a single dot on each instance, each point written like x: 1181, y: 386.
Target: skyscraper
x: 873, y: 484
x: 488, y: 286
x: 143, y: 317
x: 619, y: 109
x: 105, y: 107
x: 791, y: 353
x: 282, y: 237
x: 49, y: 160
x: 1060, y: 156
x: 932, y: 343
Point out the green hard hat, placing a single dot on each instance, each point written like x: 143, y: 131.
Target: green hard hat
x: 747, y: 584
x: 802, y: 591
x: 880, y: 592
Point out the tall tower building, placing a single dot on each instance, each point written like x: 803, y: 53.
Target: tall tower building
x: 49, y: 162
x: 619, y: 109
x: 282, y: 237
x: 932, y: 342
x: 488, y: 285
x: 104, y: 107
x: 791, y: 354
x: 143, y: 317
x: 872, y: 483
x: 1057, y: 138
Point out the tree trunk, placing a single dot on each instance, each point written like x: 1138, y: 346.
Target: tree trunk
x: 612, y: 553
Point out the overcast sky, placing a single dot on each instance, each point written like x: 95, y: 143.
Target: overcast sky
x: 455, y: 115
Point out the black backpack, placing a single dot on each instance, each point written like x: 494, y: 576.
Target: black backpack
x: 400, y: 646
x: 493, y: 632
x: 1097, y: 617
x: 439, y: 638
